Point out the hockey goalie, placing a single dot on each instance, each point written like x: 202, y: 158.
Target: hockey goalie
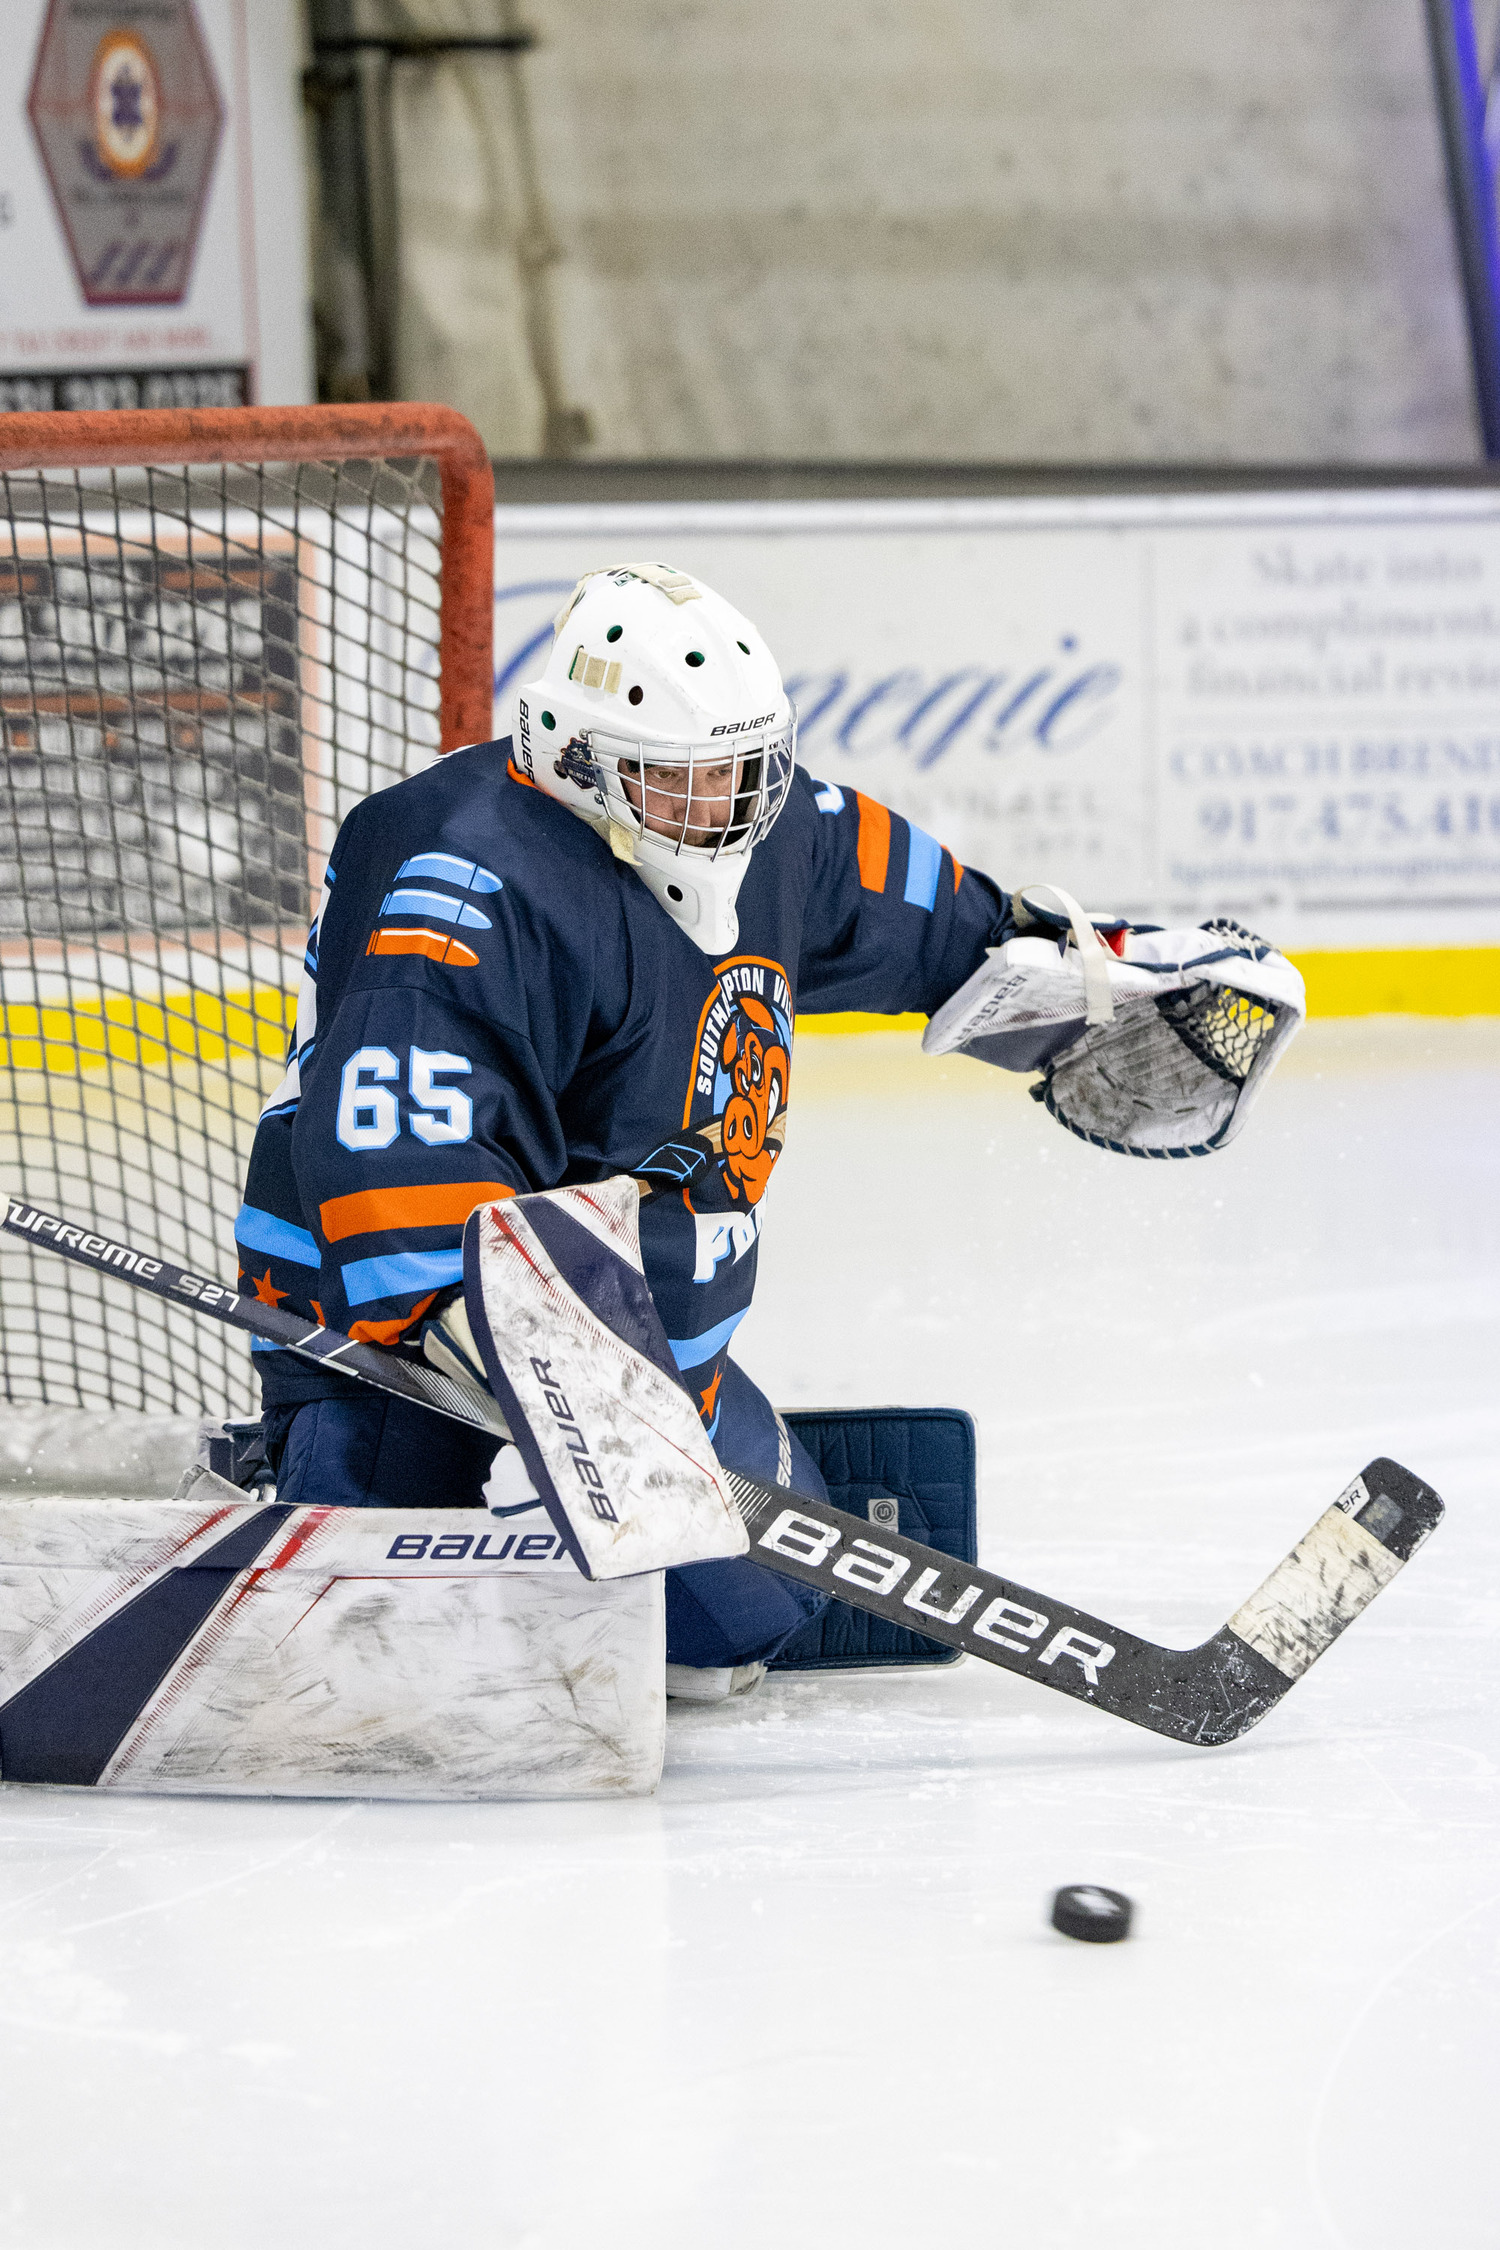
x: 501, y: 1224
x: 572, y: 960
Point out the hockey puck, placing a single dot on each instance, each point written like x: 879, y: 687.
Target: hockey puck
x: 1088, y: 1911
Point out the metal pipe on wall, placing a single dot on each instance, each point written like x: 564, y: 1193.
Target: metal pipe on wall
x: 350, y: 88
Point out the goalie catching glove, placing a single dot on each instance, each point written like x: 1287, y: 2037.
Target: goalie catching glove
x: 1152, y: 1042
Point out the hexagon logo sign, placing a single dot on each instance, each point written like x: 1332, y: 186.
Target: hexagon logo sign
x: 128, y: 123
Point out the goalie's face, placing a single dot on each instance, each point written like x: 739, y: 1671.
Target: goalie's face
x: 689, y: 803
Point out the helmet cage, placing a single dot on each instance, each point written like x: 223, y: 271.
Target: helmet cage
x: 713, y: 799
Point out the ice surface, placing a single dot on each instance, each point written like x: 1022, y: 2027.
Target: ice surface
x: 808, y: 1995
x: 70, y: 1449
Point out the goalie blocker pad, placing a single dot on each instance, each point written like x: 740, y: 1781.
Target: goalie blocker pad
x: 579, y: 1361
x: 1197, y: 1021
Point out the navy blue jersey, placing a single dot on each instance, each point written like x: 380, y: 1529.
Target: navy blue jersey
x: 494, y: 1003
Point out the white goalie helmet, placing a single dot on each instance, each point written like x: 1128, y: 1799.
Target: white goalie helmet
x: 661, y: 720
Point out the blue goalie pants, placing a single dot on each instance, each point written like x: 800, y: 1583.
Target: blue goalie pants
x: 366, y: 1450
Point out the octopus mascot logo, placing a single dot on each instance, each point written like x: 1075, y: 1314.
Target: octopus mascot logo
x: 741, y: 1069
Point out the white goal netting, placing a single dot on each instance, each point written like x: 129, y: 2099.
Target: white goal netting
x: 201, y: 669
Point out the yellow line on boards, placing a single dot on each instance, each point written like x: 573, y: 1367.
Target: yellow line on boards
x: 65, y: 1038
x: 840, y: 1026
x: 1431, y: 981
x: 208, y: 1027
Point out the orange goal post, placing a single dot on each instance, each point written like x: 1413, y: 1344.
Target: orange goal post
x: 218, y: 631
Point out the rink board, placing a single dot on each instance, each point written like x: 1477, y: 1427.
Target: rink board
x: 1276, y: 704
x: 215, y: 1645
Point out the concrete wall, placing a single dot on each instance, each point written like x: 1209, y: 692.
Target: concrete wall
x: 1045, y: 230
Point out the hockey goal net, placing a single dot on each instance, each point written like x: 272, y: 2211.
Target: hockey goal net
x: 218, y: 631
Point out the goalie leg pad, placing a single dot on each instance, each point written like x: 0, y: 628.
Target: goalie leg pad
x: 920, y: 1460
x: 580, y: 1364
x: 212, y: 1644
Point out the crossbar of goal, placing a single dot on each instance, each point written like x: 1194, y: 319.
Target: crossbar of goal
x: 140, y: 438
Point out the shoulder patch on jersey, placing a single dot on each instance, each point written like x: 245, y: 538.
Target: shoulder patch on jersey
x: 408, y: 912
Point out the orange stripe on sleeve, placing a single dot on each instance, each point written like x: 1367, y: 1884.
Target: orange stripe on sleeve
x: 379, y: 1210
x: 450, y: 951
x: 958, y: 874
x: 874, y: 842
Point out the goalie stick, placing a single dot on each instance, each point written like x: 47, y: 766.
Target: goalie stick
x: 452, y: 1396
x: 1207, y: 1695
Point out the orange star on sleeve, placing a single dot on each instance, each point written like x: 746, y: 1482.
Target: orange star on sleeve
x: 264, y: 1292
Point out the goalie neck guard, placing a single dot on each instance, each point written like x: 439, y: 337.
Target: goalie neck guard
x: 661, y: 720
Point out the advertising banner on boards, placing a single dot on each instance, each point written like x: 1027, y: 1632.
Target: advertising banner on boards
x: 151, y: 205
x: 1284, y: 707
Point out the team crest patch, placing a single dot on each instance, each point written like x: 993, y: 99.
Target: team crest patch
x: 734, y: 1117
x: 741, y: 1070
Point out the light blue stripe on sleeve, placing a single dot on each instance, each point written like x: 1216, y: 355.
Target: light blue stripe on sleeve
x: 691, y: 1351
x: 830, y: 798
x: 924, y: 861
x: 262, y: 1230
x: 438, y: 903
x: 401, y: 1274
x: 449, y: 869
